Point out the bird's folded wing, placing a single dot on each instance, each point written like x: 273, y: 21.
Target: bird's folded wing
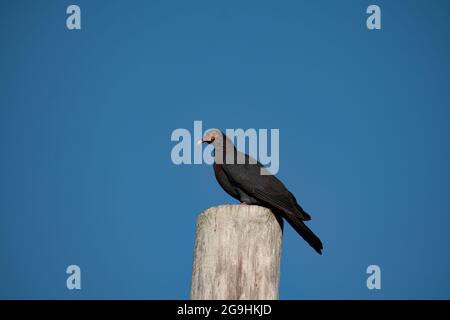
x: 268, y: 189
x: 279, y: 204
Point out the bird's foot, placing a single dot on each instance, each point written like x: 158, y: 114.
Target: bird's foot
x: 244, y: 204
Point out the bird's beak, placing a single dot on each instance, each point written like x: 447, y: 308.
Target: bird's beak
x: 203, y: 140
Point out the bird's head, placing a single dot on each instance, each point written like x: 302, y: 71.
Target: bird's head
x: 210, y: 137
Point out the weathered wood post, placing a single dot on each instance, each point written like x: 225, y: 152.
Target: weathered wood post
x: 237, y: 254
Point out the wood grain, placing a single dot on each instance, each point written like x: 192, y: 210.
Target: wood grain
x: 237, y: 254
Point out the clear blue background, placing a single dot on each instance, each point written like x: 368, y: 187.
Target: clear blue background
x: 86, y: 116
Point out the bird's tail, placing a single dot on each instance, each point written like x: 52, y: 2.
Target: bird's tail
x: 305, y: 232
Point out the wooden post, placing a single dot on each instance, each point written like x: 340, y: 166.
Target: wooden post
x: 237, y: 254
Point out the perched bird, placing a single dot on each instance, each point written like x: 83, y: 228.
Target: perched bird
x: 241, y: 177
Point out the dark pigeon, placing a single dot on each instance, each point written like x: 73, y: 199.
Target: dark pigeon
x: 240, y: 176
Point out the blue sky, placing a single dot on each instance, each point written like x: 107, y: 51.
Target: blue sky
x: 86, y: 117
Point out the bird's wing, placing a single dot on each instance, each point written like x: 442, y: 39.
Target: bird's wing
x: 266, y: 188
